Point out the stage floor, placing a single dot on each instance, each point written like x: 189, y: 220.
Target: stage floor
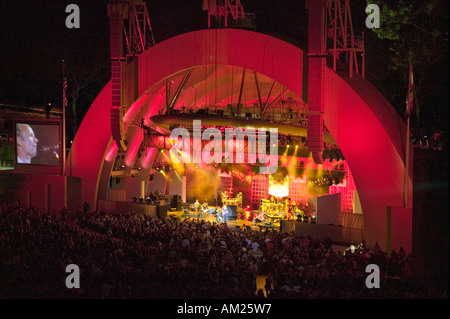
x: 231, y: 223
x: 242, y: 223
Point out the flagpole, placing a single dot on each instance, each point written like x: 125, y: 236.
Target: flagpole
x: 64, y: 121
x: 64, y: 105
x: 409, y: 103
x: 406, y: 177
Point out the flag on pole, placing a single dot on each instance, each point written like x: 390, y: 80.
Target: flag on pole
x: 410, y: 96
x: 64, y: 92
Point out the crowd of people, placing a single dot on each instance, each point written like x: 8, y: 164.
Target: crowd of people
x: 137, y: 256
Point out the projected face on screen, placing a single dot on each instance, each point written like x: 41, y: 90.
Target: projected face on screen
x: 38, y: 144
x: 26, y: 143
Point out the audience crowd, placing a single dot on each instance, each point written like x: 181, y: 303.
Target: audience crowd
x: 137, y: 256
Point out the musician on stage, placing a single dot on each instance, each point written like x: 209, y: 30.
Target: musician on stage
x: 219, y: 216
x: 197, y: 205
x: 225, y: 213
x: 289, y: 213
x: 248, y: 213
x: 204, y: 210
x: 294, y: 206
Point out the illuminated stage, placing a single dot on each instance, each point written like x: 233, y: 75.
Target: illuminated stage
x: 339, y: 235
x: 235, y: 78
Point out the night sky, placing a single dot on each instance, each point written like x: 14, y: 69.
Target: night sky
x: 34, y: 40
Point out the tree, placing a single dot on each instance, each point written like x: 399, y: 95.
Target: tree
x: 417, y: 32
x: 85, y: 80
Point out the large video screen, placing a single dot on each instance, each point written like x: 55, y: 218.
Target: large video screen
x: 38, y: 143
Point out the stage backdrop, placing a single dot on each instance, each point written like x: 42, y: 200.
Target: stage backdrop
x: 329, y: 209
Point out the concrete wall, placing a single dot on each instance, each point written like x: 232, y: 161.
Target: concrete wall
x: 43, y: 192
x: 329, y: 209
x: 399, y: 229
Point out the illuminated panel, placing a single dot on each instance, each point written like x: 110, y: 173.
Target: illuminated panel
x: 279, y: 189
x: 260, y: 189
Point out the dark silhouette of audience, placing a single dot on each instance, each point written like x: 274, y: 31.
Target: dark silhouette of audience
x: 137, y: 256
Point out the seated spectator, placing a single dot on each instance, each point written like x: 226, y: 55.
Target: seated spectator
x: 137, y: 256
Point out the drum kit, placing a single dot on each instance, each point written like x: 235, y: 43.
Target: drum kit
x: 200, y: 209
x: 226, y: 200
x: 270, y: 206
x: 274, y: 211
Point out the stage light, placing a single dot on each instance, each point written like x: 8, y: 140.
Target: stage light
x: 296, y: 146
x: 162, y: 151
x: 288, y: 146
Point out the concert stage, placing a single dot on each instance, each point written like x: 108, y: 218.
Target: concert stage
x: 338, y: 234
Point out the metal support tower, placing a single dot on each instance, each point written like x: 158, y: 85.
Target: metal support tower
x: 222, y: 8
x: 127, y: 18
x: 139, y: 36
x: 340, y: 31
x: 316, y: 68
x: 328, y: 19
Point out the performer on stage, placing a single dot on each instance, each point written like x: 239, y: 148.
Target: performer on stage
x: 225, y: 213
x: 262, y: 217
x: 197, y: 205
x: 204, y: 210
x: 289, y: 214
x: 248, y: 213
x: 293, y: 206
x: 219, y: 216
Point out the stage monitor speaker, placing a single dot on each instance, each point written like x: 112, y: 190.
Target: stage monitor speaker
x: 162, y: 211
x: 232, y: 211
x: 174, y: 201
